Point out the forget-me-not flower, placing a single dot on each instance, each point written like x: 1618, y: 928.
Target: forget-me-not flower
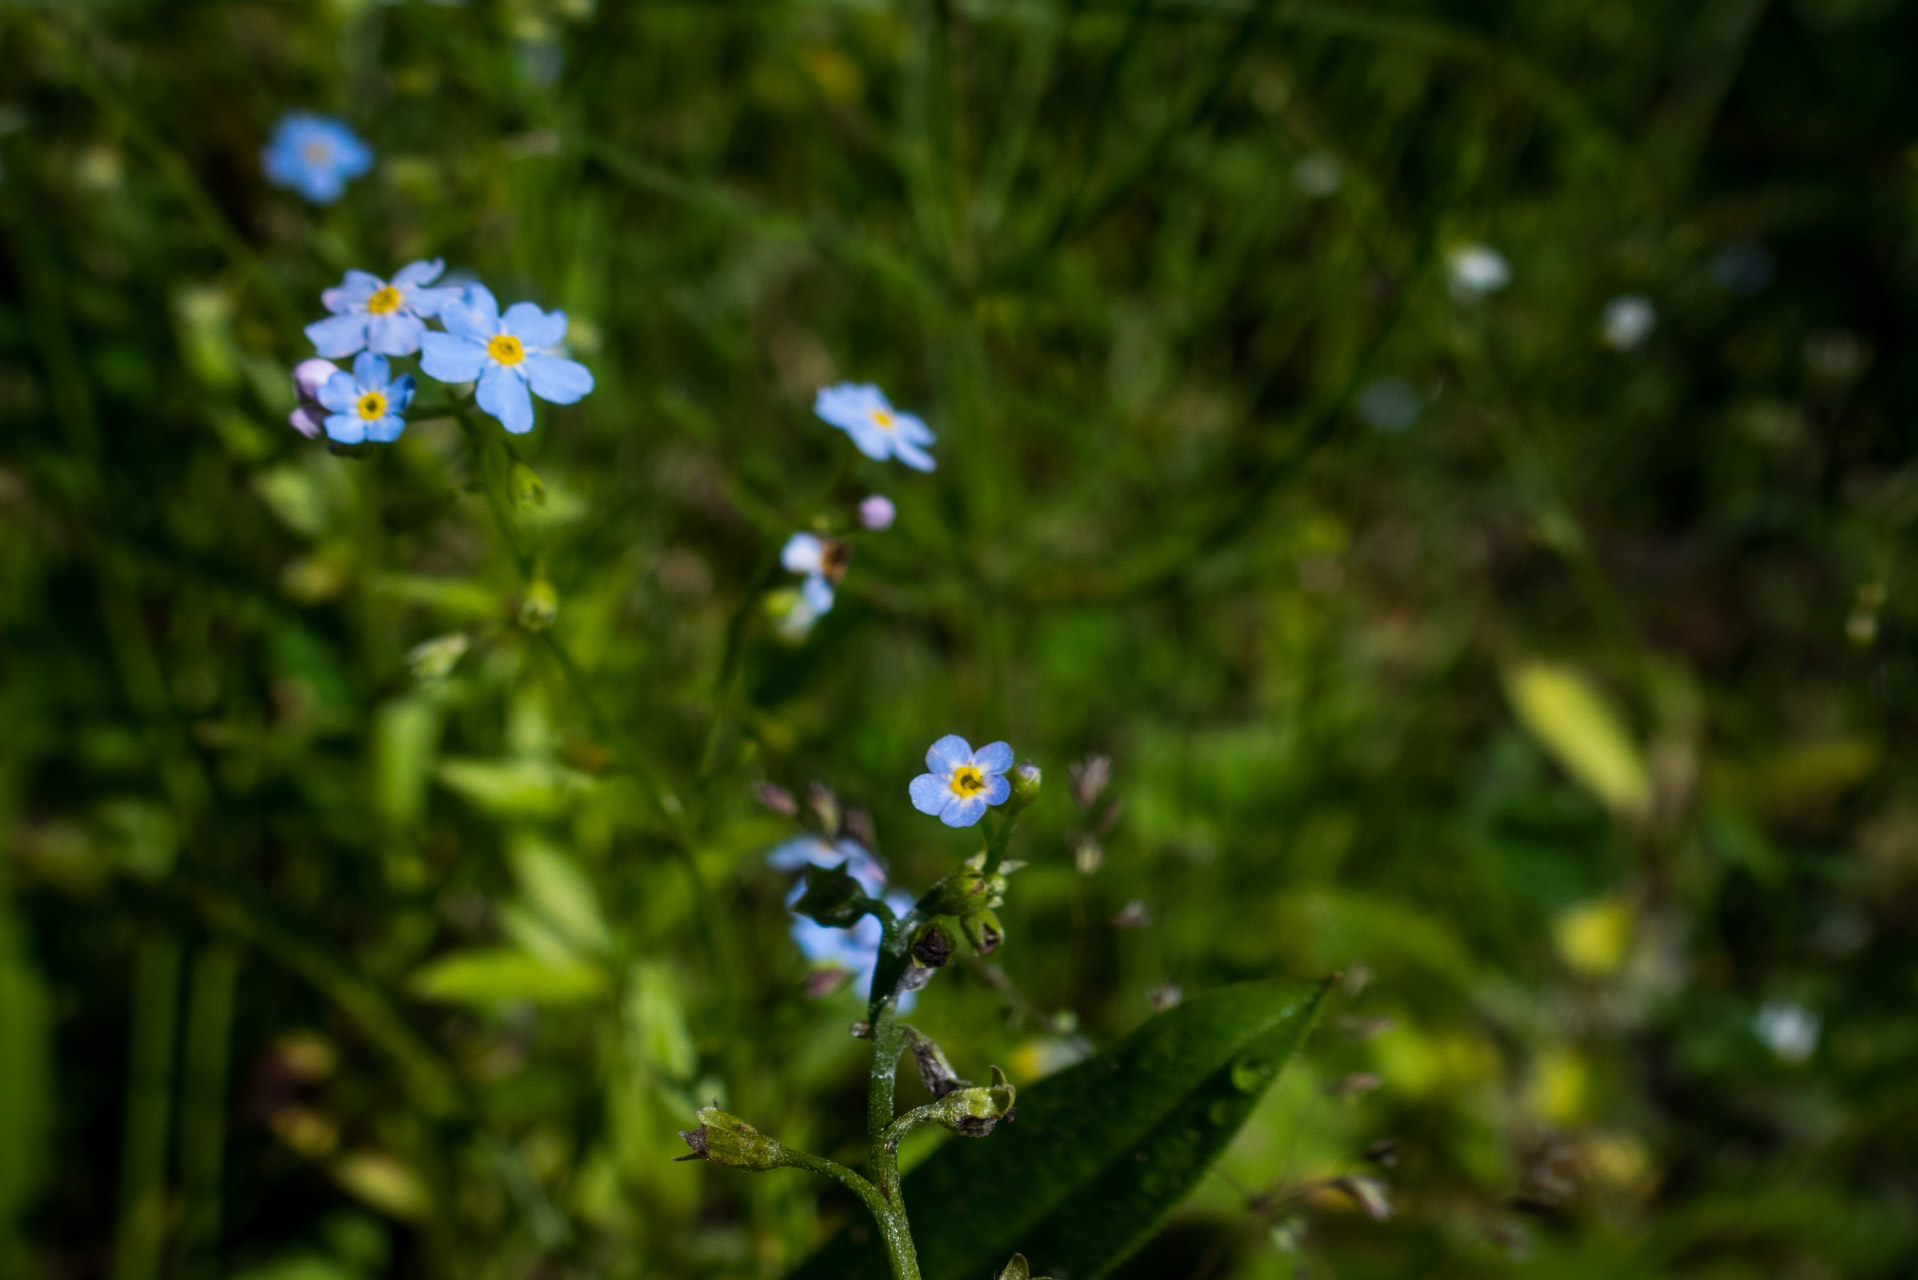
x: 386, y: 316
x: 366, y: 404
x: 314, y: 155
x: 1474, y: 270
x: 854, y: 950
x: 878, y: 430
x: 506, y: 354
x: 823, y: 561
x: 1628, y: 320
x: 963, y: 782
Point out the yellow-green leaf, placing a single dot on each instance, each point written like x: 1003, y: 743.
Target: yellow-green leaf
x: 1573, y: 720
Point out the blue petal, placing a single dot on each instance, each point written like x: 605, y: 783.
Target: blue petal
x: 994, y: 757
x: 557, y: 381
x: 415, y: 274
x: 913, y: 456
x: 911, y: 429
x: 803, y: 553
x: 479, y: 300
x: 397, y: 334
x: 817, y: 593
x: 399, y: 394
x: 502, y: 393
x: 451, y: 359
x: 355, y: 289
x: 347, y: 428
x: 339, y: 392
x: 847, y: 403
x: 534, y: 327
x: 466, y: 321
x: 930, y: 793
x: 338, y: 336
x: 868, y: 439
x: 963, y: 813
x: 948, y: 754
x: 798, y: 852
x: 430, y: 302
x: 998, y: 787
x: 370, y: 371
x: 387, y: 429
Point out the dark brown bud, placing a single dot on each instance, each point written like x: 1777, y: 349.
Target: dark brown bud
x: 932, y: 946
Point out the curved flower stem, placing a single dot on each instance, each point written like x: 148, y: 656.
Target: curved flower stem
x: 888, y: 1207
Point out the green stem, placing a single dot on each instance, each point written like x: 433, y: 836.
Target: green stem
x: 141, y: 1234
x: 888, y: 1206
x: 203, y: 1104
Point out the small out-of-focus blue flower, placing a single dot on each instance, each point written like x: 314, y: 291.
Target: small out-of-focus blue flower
x: 367, y: 403
x: 962, y: 782
x: 877, y: 512
x: 507, y: 355
x: 314, y: 155
x: 1788, y: 1029
x: 878, y: 430
x: 823, y: 561
x: 309, y: 419
x: 388, y: 317
x: 1628, y: 320
x: 1474, y: 270
x: 854, y: 950
x: 1390, y: 405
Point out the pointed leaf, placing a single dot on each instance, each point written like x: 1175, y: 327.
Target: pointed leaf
x: 1099, y: 1153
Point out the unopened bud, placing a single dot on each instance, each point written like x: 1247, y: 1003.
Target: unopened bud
x: 723, y: 1138
x: 858, y: 826
x: 528, y: 490
x: 932, y: 945
x: 983, y: 931
x: 825, y: 807
x: 777, y: 798
x: 959, y: 894
x: 832, y: 897
x: 1017, y: 1269
x: 1089, y: 778
x: 976, y: 1111
x: 1026, y: 781
x: 435, y: 659
x: 935, y: 1072
x: 540, y: 605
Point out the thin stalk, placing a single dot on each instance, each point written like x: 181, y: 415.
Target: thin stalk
x: 889, y: 1206
x: 209, y: 1035
x: 141, y: 1233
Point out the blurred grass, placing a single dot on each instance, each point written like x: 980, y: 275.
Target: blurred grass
x: 1628, y: 953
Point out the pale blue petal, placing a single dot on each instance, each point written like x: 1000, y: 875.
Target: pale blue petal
x: 397, y: 334
x: 451, y: 359
x: 387, y: 429
x: 339, y: 392
x: 430, y: 302
x: 557, y: 381
x: 847, y: 403
x: 306, y: 422
x: 998, y: 787
x: 868, y: 439
x: 912, y: 430
x: 466, y: 322
x: 371, y: 372
x: 356, y: 287
x: 502, y: 393
x: 948, y: 754
x: 533, y: 327
x: 822, y: 945
x: 913, y: 456
x: 414, y: 274
x: 346, y: 428
x: 963, y: 813
x: 803, y: 553
x: 994, y: 757
x: 338, y: 336
x: 479, y: 300
x: 930, y: 793
x: 400, y: 394
x: 798, y: 852
x: 817, y: 593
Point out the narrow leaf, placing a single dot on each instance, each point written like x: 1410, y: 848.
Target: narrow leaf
x: 1099, y: 1153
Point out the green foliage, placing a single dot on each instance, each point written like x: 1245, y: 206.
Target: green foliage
x: 1100, y: 1152
x: 382, y: 868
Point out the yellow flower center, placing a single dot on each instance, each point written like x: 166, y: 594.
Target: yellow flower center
x: 372, y: 406
x: 317, y: 152
x: 883, y: 420
x: 505, y: 348
x: 385, y: 301
x: 968, y: 781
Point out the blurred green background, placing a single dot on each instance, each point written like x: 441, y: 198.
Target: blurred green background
x: 1549, y: 679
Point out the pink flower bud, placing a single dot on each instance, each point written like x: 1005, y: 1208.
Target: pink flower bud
x: 877, y: 512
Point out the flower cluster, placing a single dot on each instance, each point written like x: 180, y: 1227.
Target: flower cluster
x: 511, y: 357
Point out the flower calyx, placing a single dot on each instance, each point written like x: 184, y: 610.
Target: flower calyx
x: 977, y: 1110
x: 723, y: 1138
x: 1017, y: 1269
x: 832, y: 897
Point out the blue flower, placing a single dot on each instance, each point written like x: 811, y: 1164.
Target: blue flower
x: 963, y: 781
x: 854, y: 950
x: 387, y: 317
x: 364, y: 404
x: 878, y: 430
x: 506, y: 354
x: 314, y: 155
x: 823, y: 561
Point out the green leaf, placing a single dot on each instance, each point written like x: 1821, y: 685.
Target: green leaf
x: 534, y: 789
x: 486, y: 977
x: 1574, y: 720
x: 1099, y: 1153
